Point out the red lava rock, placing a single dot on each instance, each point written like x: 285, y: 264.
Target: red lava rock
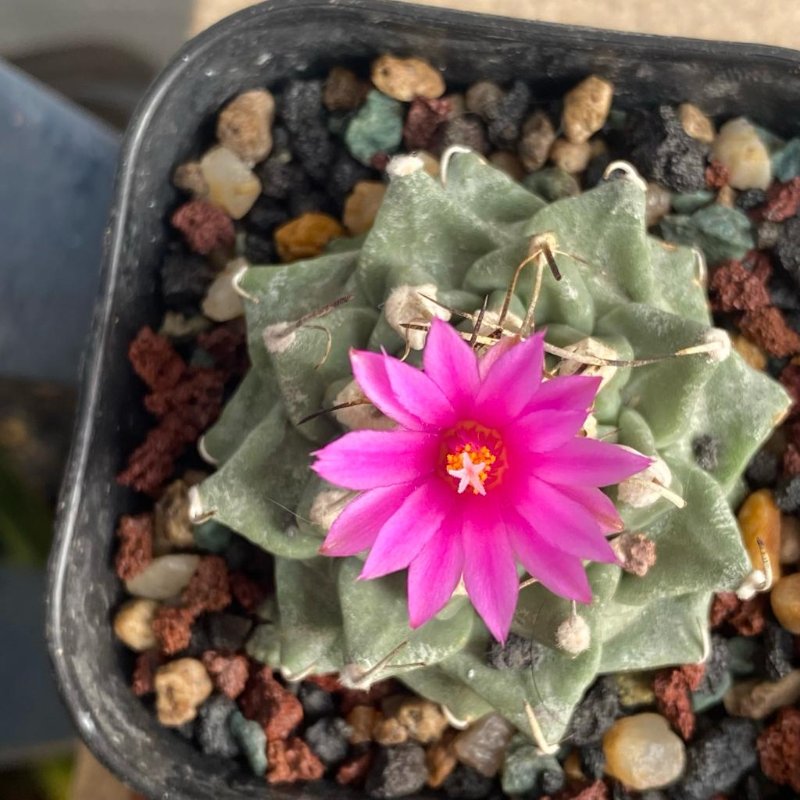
x: 791, y: 460
x: 597, y: 790
x: 144, y: 672
x: 759, y: 263
x: 751, y: 618
x: 694, y: 674
x: 227, y: 345
x: 204, y: 226
x: 328, y: 683
x: 790, y: 379
x: 767, y: 328
x: 779, y: 749
x: 248, y: 592
x: 197, y: 398
x: 734, y: 288
x: 723, y: 607
x: 422, y: 120
x: 783, y: 200
x: 172, y: 627
x: 353, y: 772
x: 270, y: 704
x: 228, y: 673
x: 292, y: 761
x: 209, y: 587
x: 673, y: 698
x: 359, y: 697
x: 155, y: 360
x: 135, y: 534
x: 379, y: 161
x: 717, y: 175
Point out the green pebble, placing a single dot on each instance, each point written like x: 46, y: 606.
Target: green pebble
x: 702, y: 701
x: 691, y: 201
x: 338, y: 121
x: 523, y: 765
x: 721, y: 233
x: 212, y: 536
x: 786, y: 161
x: 742, y: 651
x: 772, y: 142
x: 201, y: 358
x: 264, y: 644
x: 552, y: 183
x: 252, y: 739
x: 377, y: 127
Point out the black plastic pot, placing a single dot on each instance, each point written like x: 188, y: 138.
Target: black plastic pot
x: 260, y: 47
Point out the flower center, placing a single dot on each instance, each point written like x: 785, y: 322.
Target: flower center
x: 473, y: 457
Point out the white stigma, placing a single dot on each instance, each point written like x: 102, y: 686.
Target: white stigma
x: 469, y: 474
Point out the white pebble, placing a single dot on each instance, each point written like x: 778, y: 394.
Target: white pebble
x: 222, y: 302
x: 163, y: 577
x: 231, y: 183
x: 739, y: 148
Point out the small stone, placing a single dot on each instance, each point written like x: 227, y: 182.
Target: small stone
x: 787, y: 249
x: 422, y: 121
x: 181, y: 687
x: 133, y: 624
x: 227, y: 632
x: 135, y: 553
x: 361, y: 721
x: 244, y: 126
x: 272, y: 705
x: 735, y: 288
x: 716, y: 666
x: 586, y: 108
x: 423, y: 719
x: 790, y: 539
x: 779, y: 749
x: 753, y: 355
x: 252, y: 741
x: 228, y: 672
x: 642, y: 752
x: 211, y: 536
x: 767, y: 327
x: 441, y: 760
x: 467, y: 131
x: 222, y: 302
x: 406, y: 78
x: 213, y: 731
x: 762, y: 469
x: 306, y: 236
x: 184, y: 279
x: 595, y: 713
x: 552, y: 183
x: 779, y: 651
x: 354, y: 771
x: 569, y: 156
x: 343, y: 90
x: 209, y: 587
x: 758, y: 699
x: 786, y: 161
x: 740, y: 150
x: 188, y: 177
x: 173, y: 528
x: 172, y: 627
x: 767, y: 235
x: 717, y: 761
x: 362, y: 205
x: 659, y: 200
x: 345, y: 173
x: 144, y: 672
x: 377, y: 127
x: 783, y: 200
x: 689, y: 202
x: 484, y: 98
x: 524, y: 765
x: 636, y: 551
x: 538, y: 135
x: 316, y: 701
x: 483, y: 745
x: 635, y: 689
x: 750, y: 199
x: 467, y: 784
x: 508, y: 163
x: 231, y: 184
x: 504, y: 128
x: 785, y: 599
x: 164, y: 577
x: 674, y: 701
x: 328, y: 739
x: 705, y: 449
x: 696, y: 123
x: 593, y: 761
x: 204, y: 226
x: 183, y: 328
x: 760, y: 518
x: 397, y: 772
x: 387, y: 731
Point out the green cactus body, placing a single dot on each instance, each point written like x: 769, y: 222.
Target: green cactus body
x: 463, y: 241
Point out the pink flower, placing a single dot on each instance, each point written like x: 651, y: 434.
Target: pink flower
x: 486, y: 467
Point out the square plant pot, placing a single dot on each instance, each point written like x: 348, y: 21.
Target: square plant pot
x: 263, y: 46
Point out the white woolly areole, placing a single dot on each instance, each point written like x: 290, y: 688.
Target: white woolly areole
x: 590, y: 426
x: 590, y: 347
x: 491, y: 322
x: 400, y: 166
x: 721, y: 341
x: 278, y: 338
x: 628, y: 170
x: 754, y: 583
x: 364, y: 417
x: 638, y: 490
x: 573, y: 635
x: 327, y: 506
x: 406, y: 305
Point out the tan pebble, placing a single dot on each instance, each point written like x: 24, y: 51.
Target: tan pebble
x: 726, y: 196
x: 164, y: 577
x: 388, y: 731
x: 440, y: 760
x: 244, y: 126
x: 483, y: 745
x: 696, y: 123
x: 750, y: 352
x: 658, y: 203
x: 178, y: 326
x: 643, y: 752
x: 222, y: 302
x: 231, y: 184
x: 429, y: 162
x: 133, y: 624
x: 483, y: 99
x: 458, y: 105
x: 306, y: 235
x: 538, y: 135
x: 423, y: 719
x: 570, y: 156
x: 189, y: 178
x: 758, y: 699
x: 407, y: 78
x: 361, y: 206
x: 508, y: 163
x: 181, y: 687
x: 739, y: 149
x: 573, y: 769
x: 173, y: 528
x: 785, y: 600
x: 635, y: 688
x: 790, y: 539
x: 361, y: 721
x: 597, y: 147
x: 760, y: 518
x: 343, y: 90
x: 586, y: 108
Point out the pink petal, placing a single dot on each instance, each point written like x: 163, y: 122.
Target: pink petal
x: 407, y: 531
x: 435, y: 572
x: 512, y: 381
x: 589, y: 462
x: 562, y: 574
x: 565, y: 393
x: 367, y: 459
x: 419, y: 394
x: 545, y: 430
x: 490, y: 575
x: 563, y: 523
x: 487, y: 360
x: 369, y: 371
x: 598, y: 504
x: 360, y: 520
x: 451, y: 364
